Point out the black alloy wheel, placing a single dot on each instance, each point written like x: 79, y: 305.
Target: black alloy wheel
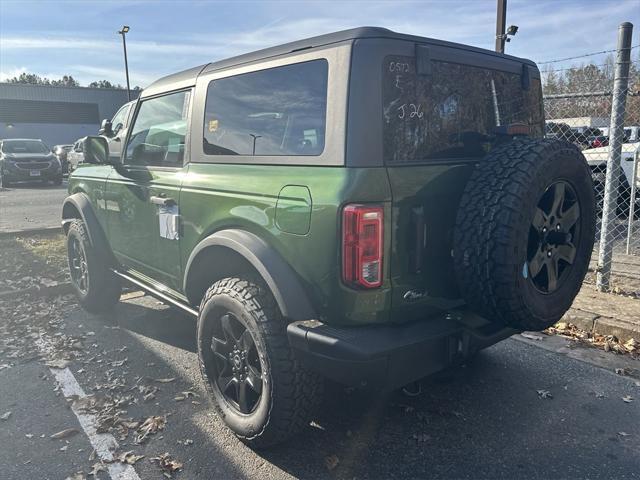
x: 96, y: 286
x: 553, y: 236
x: 78, y: 266
x: 257, y: 387
x: 238, y: 371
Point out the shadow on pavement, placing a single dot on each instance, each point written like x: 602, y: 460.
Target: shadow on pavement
x: 164, y: 324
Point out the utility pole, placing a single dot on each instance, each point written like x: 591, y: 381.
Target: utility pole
x: 123, y: 32
x: 501, y: 24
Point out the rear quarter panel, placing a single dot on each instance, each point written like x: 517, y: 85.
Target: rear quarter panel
x: 216, y: 197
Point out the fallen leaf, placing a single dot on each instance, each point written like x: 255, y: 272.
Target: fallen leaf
x: 165, y: 380
x: 331, y: 462
x: 631, y: 345
x: 149, y: 396
x: 64, y: 449
x: 544, y: 394
x: 69, y: 432
x: 47, y: 282
x: 5, y: 416
x: 167, y: 464
x: 186, y: 442
x: 149, y: 427
x: 129, y: 457
x: 97, y: 468
x: 627, y: 399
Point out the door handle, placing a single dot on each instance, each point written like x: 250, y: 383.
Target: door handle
x: 162, y: 201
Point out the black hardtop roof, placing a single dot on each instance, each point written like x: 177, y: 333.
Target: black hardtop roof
x: 179, y: 80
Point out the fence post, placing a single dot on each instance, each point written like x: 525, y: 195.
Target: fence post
x: 616, y: 134
x: 632, y: 200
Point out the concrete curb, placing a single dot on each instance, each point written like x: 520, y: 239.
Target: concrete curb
x: 59, y: 289
x: 593, y: 323
x: 30, y: 231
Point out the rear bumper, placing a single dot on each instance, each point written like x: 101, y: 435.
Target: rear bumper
x: 388, y: 357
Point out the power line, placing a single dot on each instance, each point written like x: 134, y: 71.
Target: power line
x: 571, y: 68
x: 599, y: 66
x: 582, y: 56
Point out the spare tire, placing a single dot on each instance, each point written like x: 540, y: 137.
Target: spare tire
x: 524, y: 232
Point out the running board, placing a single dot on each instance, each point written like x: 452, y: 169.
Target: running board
x: 156, y: 293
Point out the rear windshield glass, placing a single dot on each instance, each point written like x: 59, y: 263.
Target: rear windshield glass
x: 453, y: 112
x: 24, y: 146
x: 279, y: 111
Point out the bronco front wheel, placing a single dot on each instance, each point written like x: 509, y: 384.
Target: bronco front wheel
x: 258, y: 389
x: 96, y: 287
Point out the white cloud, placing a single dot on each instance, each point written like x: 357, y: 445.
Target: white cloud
x: 13, y: 72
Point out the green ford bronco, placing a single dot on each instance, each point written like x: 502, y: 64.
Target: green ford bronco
x: 365, y: 206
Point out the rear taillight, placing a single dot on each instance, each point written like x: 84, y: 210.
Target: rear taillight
x: 362, y: 245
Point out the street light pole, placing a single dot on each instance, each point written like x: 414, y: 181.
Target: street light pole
x: 255, y: 137
x: 123, y: 32
x: 501, y: 23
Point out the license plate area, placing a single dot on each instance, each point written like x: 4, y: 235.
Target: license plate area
x: 34, y: 173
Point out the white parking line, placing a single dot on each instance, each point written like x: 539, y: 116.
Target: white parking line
x: 103, y: 443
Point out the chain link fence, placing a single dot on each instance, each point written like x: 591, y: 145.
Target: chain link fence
x: 584, y: 118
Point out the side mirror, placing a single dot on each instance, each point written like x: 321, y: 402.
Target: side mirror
x: 95, y: 149
x: 106, y: 128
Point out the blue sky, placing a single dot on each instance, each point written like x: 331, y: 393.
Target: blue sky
x: 53, y: 38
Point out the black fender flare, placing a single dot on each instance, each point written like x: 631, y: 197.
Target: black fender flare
x: 283, y: 282
x: 79, y: 204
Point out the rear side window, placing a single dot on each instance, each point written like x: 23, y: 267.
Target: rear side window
x: 279, y: 111
x: 453, y: 112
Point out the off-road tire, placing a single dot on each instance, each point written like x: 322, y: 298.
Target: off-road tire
x: 103, y: 288
x: 493, y: 229
x: 290, y: 394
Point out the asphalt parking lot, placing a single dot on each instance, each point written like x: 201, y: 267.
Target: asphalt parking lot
x: 522, y: 409
x: 31, y: 205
